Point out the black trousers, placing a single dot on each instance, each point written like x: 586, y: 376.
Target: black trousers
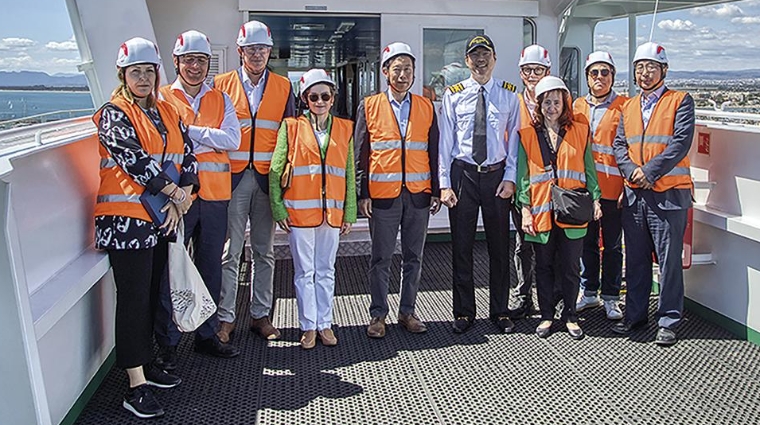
x: 477, y: 192
x: 558, y: 264
x: 524, y: 259
x: 137, y: 274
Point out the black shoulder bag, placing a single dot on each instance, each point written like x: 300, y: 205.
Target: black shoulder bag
x: 571, y: 206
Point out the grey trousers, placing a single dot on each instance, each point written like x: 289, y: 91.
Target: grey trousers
x: 383, y: 227
x: 249, y: 202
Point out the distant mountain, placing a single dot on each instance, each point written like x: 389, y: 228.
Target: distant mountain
x: 742, y: 74
x: 36, y: 78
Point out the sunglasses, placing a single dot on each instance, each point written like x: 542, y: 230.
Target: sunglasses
x: 604, y: 72
x: 313, y: 97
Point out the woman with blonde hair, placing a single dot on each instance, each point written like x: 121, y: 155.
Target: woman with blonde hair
x: 141, y: 138
x: 315, y: 202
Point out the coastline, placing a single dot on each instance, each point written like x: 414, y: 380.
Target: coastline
x: 46, y: 89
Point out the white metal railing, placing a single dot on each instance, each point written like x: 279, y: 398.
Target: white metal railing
x: 18, y: 138
x: 727, y: 117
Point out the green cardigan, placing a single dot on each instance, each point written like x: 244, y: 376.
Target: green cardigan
x: 280, y: 157
x: 523, y: 191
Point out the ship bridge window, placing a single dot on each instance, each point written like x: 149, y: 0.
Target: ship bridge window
x: 569, y: 69
x: 529, y: 32
x: 443, y: 59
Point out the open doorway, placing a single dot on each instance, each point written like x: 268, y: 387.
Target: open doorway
x: 346, y: 46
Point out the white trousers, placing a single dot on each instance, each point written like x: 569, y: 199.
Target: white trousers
x: 314, y: 250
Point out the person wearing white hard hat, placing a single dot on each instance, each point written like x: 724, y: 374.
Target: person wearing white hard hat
x: 555, y: 151
x: 534, y: 64
x: 214, y: 129
x: 477, y: 167
x: 140, y: 135
x: 315, y: 201
x: 262, y: 100
x: 601, y: 110
x: 397, y: 155
x: 651, y: 148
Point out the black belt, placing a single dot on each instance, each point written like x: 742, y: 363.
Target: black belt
x: 480, y: 168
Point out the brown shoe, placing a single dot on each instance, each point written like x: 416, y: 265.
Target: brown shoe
x: 225, y: 330
x: 376, y: 328
x: 264, y: 328
x: 328, y: 337
x: 411, y: 323
x: 309, y: 340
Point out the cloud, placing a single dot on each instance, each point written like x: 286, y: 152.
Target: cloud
x: 69, y: 45
x: 676, y: 25
x: 16, y: 43
x: 723, y: 11
x: 746, y: 20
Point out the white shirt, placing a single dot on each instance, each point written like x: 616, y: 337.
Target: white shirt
x: 457, y: 125
x: 254, y: 92
x: 208, y: 139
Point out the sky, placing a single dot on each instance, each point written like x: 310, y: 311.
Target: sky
x: 36, y: 35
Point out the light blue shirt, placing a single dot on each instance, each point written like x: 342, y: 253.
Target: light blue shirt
x: 401, y: 111
x: 457, y: 125
x: 254, y: 92
x: 648, y: 103
x: 597, y: 112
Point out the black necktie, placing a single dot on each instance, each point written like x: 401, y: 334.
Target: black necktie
x: 479, y: 147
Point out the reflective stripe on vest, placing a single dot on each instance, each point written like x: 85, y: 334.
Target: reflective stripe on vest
x: 175, y: 157
x: 645, y: 145
x: 213, y: 167
x: 119, y: 194
x: 318, y: 188
x: 610, y: 180
x: 571, y: 171
x: 389, y: 168
x: 256, y: 144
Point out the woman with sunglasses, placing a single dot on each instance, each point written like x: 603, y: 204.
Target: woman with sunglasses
x: 316, y: 201
x: 139, y: 132
x: 554, y: 150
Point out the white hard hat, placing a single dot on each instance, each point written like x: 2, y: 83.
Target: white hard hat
x: 550, y: 83
x: 137, y: 50
x: 254, y: 32
x: 535, y: 54
x: 313, y: 77
x: 395, y: 49
x: 192, y: 42
x: 651, y: 51
x: 599, y: 56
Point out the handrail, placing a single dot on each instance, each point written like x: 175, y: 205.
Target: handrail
x: 729, y: 117
x: 19, y: 138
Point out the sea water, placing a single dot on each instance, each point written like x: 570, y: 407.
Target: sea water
x: 20, y: 103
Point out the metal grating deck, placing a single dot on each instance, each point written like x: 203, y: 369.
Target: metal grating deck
x: 480, y: 377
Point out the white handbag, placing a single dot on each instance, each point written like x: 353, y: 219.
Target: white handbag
x: 191, y: 302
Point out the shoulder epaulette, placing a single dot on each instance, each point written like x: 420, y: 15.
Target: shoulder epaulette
x: 508, y: 86
x: 456, y: 88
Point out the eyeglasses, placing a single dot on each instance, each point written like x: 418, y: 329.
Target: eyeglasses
x: 649, y: 67
x: 603, y: 72
x: 253, y: 50
x: 313, y: 97
x: 536, y: 70
x: 192, y: 60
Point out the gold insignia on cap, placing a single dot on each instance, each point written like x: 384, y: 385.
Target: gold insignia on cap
x: 456, y: 88
x: 479, y: 39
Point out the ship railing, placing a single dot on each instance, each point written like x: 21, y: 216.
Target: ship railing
x: 46, y: 117
x: 728, y: 117
x: 19, y: 138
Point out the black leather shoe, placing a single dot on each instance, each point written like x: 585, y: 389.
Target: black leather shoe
x: 666, y: 337
x: 544, y: 332
x: 625, y: 328
x: 504, y: 324
x: 461, y: 324
x: 216, y: 348
x: 167, y: 358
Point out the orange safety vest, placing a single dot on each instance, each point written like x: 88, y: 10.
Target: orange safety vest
x: 526, y: 119
x: 571, y: 172
x: 397, y: 161
x: 610, y: 179
x: 213, y: 167
x: 318, y: 188
x: 655, y: 138
x: 119, y: 194
x: 256, y: 145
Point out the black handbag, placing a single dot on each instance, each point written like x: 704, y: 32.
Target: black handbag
x: 570, y: 206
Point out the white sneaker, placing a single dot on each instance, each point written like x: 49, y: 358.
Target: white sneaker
x: 588, y: 302
x: 613, y: 310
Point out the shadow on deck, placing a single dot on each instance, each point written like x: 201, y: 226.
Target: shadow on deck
x: 482, y: 376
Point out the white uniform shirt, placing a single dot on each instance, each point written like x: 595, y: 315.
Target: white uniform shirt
x: 457, y: 125
x: 207, y: 139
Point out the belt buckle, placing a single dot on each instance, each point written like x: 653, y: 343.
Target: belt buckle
x: 481, y: 168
